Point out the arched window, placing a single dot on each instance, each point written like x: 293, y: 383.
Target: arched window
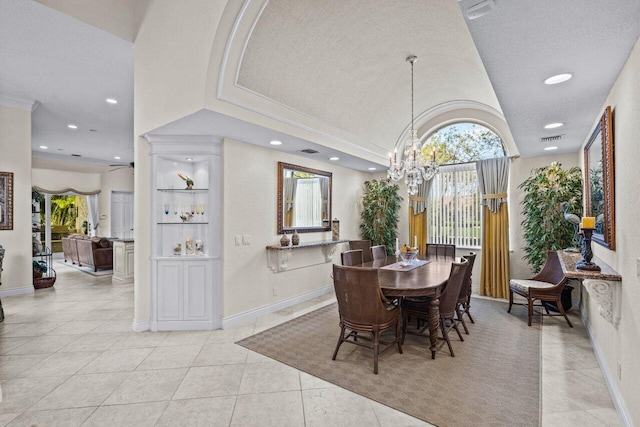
x: 454, y: 209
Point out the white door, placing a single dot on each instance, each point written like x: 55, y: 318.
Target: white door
x: 122, y: 214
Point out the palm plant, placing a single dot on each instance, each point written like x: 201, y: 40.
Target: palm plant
x: 380, y: 207
x: 544, y: 225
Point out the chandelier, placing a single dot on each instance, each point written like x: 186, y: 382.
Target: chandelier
x: 411, y: 166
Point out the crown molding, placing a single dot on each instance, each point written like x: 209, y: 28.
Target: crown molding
x: 25, y: 104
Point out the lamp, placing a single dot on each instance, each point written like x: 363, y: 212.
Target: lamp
x: 411, y: 166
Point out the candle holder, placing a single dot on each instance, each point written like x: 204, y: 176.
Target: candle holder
x: 587, y: 255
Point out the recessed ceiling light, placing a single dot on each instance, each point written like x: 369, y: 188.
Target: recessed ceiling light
x: 558, y: 78
x: 550, y: 148
x: 111, y: 101
x: 275, y: 142
x: 189, y: 159
x: 553, y: 125
x: 72, y: 126
x: 116, y: 157
x: 372, y: 169
x: 44, y: 147
x: 334, y: 158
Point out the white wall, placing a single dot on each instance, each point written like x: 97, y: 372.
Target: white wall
x: 15, y: 156
x: 56, y: 180
x: 117, y: 180
x: 250, y: 188
x: 623, y: 344
x: 521, y: 170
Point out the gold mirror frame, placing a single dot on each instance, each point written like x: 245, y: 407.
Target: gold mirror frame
x: 602, y: 133
x: 281, y: 225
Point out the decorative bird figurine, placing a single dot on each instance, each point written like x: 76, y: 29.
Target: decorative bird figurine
x: 187, y: 180
x: 575, y: 220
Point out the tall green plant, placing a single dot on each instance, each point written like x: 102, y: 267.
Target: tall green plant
x: 544, y: 225
x: 380, y: 207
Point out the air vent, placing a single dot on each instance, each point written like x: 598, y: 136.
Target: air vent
x: 309, y: 151
x: 551, y: 138
x: 76, y: 155
x: 93, y: 130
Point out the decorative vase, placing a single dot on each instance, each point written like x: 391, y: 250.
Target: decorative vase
x: 335, y: 230
x: 295, y: 238
x: 285, y: 240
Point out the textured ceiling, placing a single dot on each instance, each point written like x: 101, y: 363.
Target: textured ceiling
x: 343, y: 62
x: 70, y: 68
x: 524, y: 42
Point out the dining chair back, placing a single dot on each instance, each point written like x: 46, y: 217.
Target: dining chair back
x: 365, y: 245
x: 464, y: 299
x: 364, y: 309
x: 378, y: 252
x: 351, y: 258
x: 441, y: 250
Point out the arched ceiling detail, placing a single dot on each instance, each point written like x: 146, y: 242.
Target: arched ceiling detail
x: 343, y: 63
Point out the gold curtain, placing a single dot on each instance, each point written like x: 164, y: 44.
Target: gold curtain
x: 494, y: 276
x: 417, y: 227
x: 288, y: 217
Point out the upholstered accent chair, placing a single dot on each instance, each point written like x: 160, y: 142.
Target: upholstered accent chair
x: 365, y: 245
x: 441, y: 250
x: 464, y: 299
x: 546, y: 286
x: 351, y: 258
x: 364, y: 310
x: 96, y: 252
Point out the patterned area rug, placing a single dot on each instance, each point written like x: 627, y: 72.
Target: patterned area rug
x: 89, y: 270
x: 493, y: 380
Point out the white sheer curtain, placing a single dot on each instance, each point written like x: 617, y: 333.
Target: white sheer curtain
x: 92, y: 214
x: 308, y: 201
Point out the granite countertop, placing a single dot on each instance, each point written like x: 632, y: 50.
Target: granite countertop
x: 306, y: 245
x: 123, y: 240
x: 569, y: 260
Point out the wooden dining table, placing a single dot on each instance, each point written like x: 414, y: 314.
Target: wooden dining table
x: 425, y: 281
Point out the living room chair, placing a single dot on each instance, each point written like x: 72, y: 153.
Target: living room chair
x: 440, y: 250
x: 464, y: 299
x: 448, y: 302
x: 546, y: 286
x: 365, y: 245
x: 351, y: 258
x: 378, y: 252
x: 364, y: 309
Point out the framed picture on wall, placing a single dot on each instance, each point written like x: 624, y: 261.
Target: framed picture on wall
x: 6, y: 200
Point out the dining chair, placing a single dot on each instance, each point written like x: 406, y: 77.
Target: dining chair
x: 448, y: 301
x: 364, y: 309
x: 351, y: 258
x: 441, y: 250
x: 464, y: 299
x: 365, y: 245
x: 546, y: 286
x: 378, y: 252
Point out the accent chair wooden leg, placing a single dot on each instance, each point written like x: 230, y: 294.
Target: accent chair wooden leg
x: 530, y: 306
x: 510, y: 300
x: 561, y: 308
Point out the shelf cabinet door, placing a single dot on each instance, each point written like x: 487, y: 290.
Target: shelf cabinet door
x: 170, y: 291
x: 197, y: 290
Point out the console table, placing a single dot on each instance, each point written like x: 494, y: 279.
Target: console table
x: 603, y: 286
x: 278, y: 257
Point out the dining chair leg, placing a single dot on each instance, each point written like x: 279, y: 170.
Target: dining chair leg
x: 376, y: 348
x: 455, y: 326
x: 561, y: 308
x: 399, y: 336
x: 510, y: 300
x: 445, y: 335
x: 340, y: 341
x: 466, y: 310
x: 461, y: 319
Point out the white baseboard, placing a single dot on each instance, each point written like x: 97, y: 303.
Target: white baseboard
x: 140, y: 325
x: 185, y: 325
x: 247, y: 316
x: 11, y: 292
x: 609, y: 378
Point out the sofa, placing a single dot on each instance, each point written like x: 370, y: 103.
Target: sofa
x: 96, y: 252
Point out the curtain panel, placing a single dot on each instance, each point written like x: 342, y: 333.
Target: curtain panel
x: 418, y: 216
x: 493, y: 180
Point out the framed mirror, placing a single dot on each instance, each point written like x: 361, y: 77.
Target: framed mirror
x: 304, y: 199
x: 599, y: 178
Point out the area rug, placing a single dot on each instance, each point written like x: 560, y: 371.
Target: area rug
x: 89, y: 270
x: 493, y: 380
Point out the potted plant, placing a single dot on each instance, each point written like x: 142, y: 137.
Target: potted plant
x: 380, y: 207
x: 547, y: 191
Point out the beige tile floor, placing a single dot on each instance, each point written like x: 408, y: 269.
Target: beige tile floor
x: 68, y: 358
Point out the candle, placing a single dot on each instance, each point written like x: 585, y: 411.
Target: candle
x: 397, y: 246
x: 415, y: 241
x: 588, y: 222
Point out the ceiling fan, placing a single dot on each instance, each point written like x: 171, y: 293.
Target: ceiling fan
x: 121, y: 166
